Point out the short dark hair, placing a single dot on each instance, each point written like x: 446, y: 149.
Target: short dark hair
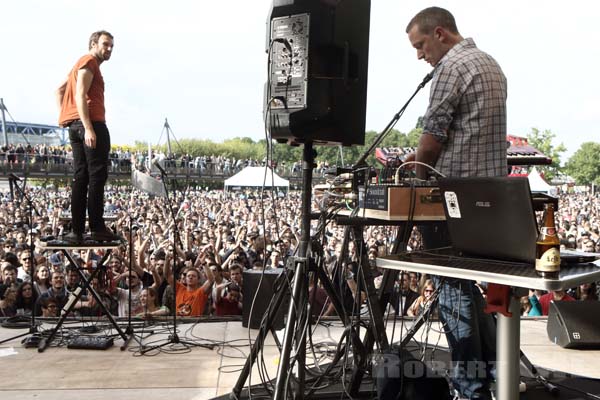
x: 10, y: 267
x: 235, y: 266
x: 430, y: 18
x: 233, y: 288
x: 46, y: 301
x: 94, y: 37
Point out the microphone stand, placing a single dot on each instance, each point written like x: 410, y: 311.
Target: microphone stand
x: 129, y: 331
x: 174, y: 338
x: 13, y: 179
x: 389, y: 276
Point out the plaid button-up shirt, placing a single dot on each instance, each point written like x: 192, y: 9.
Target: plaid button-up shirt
x: 467, y: 113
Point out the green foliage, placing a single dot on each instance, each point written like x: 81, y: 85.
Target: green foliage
x: 244, y: 147
x: 419, y: 123
x: 285, y: 153
x: 236, y: 147
x: 351, y: 155
x: 542, y: 140
x: 584, y: 165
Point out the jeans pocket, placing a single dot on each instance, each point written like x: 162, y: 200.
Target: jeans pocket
x: 76, y: 132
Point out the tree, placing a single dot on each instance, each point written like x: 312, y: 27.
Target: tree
x: 584, y: 165
x: 419, y: 123
x: 543, y: 142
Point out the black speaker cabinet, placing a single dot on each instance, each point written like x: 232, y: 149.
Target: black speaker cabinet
x: 318, y: 66
x: 266, y: 293
x: 574, y: 324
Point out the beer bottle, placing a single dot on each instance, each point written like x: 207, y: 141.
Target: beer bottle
x: 547, y: 247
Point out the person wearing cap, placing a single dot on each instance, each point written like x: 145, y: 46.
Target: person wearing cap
x: 56, y: 263
x: 55, y: 259
x: 228, y: 248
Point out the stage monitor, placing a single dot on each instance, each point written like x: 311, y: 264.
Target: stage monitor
x: 318, y: 63
x: 252, y: 314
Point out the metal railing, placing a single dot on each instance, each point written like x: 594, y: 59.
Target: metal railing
x: 62, y: 167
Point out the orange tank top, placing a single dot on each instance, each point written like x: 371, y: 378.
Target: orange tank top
x: 94, y: 98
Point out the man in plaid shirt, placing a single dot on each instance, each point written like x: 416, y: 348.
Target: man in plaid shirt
x: 464, y: 135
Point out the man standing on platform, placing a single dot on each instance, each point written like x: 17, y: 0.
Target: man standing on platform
x: 464, y: 135
x: 81, y: 101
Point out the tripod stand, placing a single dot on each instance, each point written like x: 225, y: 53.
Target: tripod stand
x: 129, y: 331
x: 174, y: 337
x: 297, y: 271
x: 13, y: 181
x: 87, y: 285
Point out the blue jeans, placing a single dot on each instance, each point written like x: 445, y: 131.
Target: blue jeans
x: 91, y: 173
x: 470, y: 332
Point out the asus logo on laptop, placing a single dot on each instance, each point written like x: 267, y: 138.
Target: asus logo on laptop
x: 486, y: 204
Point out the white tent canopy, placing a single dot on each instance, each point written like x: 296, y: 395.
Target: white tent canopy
x: 537, y: 183
x: 255, y: 177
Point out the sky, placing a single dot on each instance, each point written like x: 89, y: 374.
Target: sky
x: 203, y: 64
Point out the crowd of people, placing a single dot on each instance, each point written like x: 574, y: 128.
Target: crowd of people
x: 17, y: 156
x: 221, y: 235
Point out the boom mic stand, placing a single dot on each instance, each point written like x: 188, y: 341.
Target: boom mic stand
x: 389, y: 276
x: 129, y: 331
x: 174, y: 338
x: 13, y: 179
x: 361, y: 161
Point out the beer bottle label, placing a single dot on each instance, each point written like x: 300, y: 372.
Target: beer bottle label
x: 549, y: 261
x: 548, y: 231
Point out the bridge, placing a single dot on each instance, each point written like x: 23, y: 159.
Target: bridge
x: 30, y: 168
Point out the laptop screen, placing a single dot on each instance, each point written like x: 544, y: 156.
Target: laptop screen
x: 490, y: 217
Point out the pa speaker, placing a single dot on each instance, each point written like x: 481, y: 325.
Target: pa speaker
x: 574, y: 324
x: 254, y: 305
x: 318, y: 63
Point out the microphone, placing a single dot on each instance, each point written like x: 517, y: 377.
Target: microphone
x: 72, y: 298
x: 428, y: 77
x: 156, y: 163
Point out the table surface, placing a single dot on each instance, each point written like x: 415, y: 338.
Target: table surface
x: 492, y: 271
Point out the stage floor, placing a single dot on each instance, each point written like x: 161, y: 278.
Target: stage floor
x: 178, y: 373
